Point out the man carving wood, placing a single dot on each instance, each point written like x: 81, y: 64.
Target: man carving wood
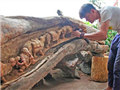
x: 108, y: 17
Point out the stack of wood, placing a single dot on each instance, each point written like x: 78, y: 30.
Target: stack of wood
x: 34, y: 46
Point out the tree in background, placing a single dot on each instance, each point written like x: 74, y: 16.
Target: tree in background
x: 97, y: 3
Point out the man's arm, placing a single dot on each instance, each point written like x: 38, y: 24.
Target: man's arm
x: 100, y: 35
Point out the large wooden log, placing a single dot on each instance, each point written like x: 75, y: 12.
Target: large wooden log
x: 29, y: 79
x: 25, y: 38
x: 15, y: 31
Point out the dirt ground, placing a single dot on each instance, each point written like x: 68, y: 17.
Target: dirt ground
x: 62, y: 83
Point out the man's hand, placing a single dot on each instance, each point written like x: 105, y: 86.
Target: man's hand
x: 76, y: 33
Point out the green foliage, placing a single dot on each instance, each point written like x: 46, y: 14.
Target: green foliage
x: 110, y: 35
x: 91, y: 25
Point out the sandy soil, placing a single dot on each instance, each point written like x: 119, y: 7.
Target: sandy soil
x: 62, y: 83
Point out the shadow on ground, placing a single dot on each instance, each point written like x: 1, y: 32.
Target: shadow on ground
x: 62, y: 83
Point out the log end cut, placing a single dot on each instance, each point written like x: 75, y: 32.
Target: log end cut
x: 99, y: 70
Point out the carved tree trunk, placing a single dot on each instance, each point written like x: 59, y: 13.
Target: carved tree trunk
x: 43, y: 42
x: 28, y: 80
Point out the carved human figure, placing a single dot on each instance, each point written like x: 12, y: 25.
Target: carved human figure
x: 47, y: 40
x: 5, y: 69
x: 37, y: 47
x: 54, y: 36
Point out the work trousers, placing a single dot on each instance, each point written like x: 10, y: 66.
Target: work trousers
x: 114, y: 64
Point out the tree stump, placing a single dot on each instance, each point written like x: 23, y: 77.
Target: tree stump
x: 99, y: 70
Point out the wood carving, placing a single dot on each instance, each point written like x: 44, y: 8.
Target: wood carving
x: 26, y: 41
x: 37, y: 47
x: 5, y: 69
